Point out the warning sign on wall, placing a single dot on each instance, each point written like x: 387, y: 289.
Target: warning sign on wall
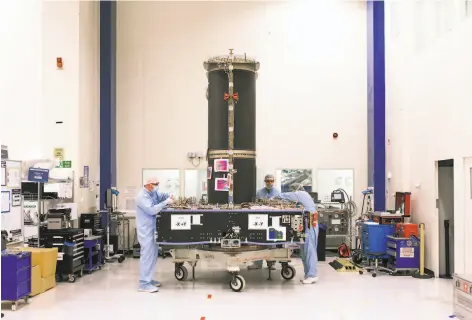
x: 59, y: 154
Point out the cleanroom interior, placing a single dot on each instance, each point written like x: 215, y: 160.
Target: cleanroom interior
x: 368, y: 97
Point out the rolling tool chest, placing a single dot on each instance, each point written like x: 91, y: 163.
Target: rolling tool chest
x: 404, y: 253
x: 70, y: 245
x: 93, y: 253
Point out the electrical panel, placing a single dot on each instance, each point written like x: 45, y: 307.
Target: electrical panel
x: 335, y: 220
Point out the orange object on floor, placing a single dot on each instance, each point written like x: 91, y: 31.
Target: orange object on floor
x: 406, y: 230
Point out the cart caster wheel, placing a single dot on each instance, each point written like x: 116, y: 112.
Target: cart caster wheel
x: 237, y: 284
x: 121, y: 259
x: 99, y: 267
x: 71, y: 278
x: 288, y: 272
x: 81, y: 273
x: 181, y: 273
x: 26, y: 299
x: 14, y: 306
x: 361, y: 272
x: 374, y: 275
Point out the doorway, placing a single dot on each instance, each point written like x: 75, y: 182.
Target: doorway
x: 445, y: 205
x: 468, y: 217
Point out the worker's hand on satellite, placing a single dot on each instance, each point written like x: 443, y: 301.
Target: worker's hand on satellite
x: 169, y: 200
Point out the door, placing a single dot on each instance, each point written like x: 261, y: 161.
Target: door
x: 468, y: 215
x: 446, y: 217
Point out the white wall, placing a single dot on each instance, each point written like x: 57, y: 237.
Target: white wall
x: 428, y: 99
x: 20, y: 77
x: 89, y: 100
x: 60, y: 86
x: 312, y: 82
x: 36, y: 93
x: 71, y: 95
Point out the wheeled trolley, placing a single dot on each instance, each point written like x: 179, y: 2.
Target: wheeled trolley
x: 16, y: 277
x: 70, y: 245
x: 404, y: 255
x: 233, y: 236
x: 72, y: 275
x: 15, y: 303
x: 93, y: 253
x: 233, y: 260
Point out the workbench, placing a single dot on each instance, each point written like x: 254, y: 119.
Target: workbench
x: 15, y: 244
x: 92, y: 263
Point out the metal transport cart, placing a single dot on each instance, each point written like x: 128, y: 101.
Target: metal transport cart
x: 233, y: 260
x: 232, y: 237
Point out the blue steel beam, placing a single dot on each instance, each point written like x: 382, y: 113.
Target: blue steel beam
x: 107, y: 97
x: 376, y: 101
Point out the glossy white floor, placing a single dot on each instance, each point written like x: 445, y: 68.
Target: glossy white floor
x: 112, y: 292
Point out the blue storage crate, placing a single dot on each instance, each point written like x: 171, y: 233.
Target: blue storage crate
x: 374, y: 238
x: 16, y: 276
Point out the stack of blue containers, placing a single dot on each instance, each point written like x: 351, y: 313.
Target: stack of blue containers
x: 16, y: 276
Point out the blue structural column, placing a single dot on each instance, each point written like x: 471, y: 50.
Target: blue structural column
x: 376, y: 101
x: 107, y: 97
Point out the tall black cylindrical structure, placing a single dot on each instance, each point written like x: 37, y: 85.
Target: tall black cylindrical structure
x: 232, y: 126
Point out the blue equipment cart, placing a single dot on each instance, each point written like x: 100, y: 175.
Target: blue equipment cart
x: 93, y: 253
x: 16, y: 277
x: 404, y: 253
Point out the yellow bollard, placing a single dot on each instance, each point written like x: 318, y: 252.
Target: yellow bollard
x: 421, y: 249
x: 420, y: 273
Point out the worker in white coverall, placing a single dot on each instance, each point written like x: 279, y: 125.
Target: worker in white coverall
x: 308, y: 251
x: 149, y: 202
x: 269, y: 191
